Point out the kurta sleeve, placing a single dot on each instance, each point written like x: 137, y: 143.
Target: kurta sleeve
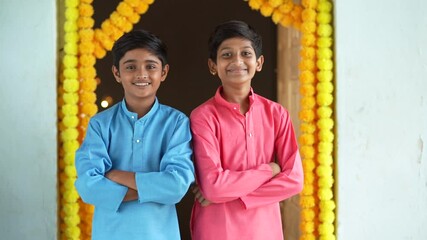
x: 171, y: 183
x: 92, y: 162
x: 218, y: 184
x: 290, y: 181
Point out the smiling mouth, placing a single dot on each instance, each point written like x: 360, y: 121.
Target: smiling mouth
x: 142, y: 84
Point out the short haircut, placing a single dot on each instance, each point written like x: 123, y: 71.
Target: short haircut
x: 233, y: 29
x: 139, y: 39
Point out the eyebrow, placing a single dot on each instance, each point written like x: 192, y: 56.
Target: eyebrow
x: 146, y: 61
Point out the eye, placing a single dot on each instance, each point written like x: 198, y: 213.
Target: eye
x: 151, y: 66
x: 130, y: 67
x: 226, y: 55
x: 247, y: 54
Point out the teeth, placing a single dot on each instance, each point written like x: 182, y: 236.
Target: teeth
x: 142, y: 84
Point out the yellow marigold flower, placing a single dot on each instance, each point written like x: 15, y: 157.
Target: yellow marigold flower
x: 307, y: 127
x: 308, y: 175
x: 307, y: 236
x: 70, y: 121
x: 70, y: 171
x: 325, y: 123
x: 87, y: 72
x: 70, y: 61
x: 325, y: 147
x: 326, y: 182
x: 325, y: 64
x: 141, y: 8
x: 308, y: 102
x: 71, y: 85
x: 325, y: 194
x: 69, y: 109
x: 70, y: 48
x: 325, y: 76
x: 87, y: 97
x: 149, y: 1
x: 296, y: 12
x: 69, y: 158
x: 71, y: 146
x: 324, y: 171
x: 286, y: 20
x: 297, y: 24
x: 132, y: 3
x: 324, y: 17
x: 102, y: 38
x: 308, y: 15
x: 277, y: 16
x: 89, y: 108
x: 255, y: 4
x: 308, y: 165
x: 306, y: 115
x: 134, y: 18
x: 324, y: 53
x: 71, y: 14
x: 71, y: 37
x: 307, y: 214
x: 86, y: 10
x: 286, y: 7
x: 88, y: 85
x: 324, y: 42
x: 327, y: 205
x: 85, y: 22
x: 324, y: 30
x: 308, y: 40
x: 307, y: 151
x: 307, y: 90
x: 266, y: 9
x: 326, y: 135
x: 324, y: 6
x: 307, y: 189
x: 86, y: 48
x: 309, y: 3
x: 307, y: 227
x: 72, y: 232
x: 86, y: 34
x: 87, y: 60
x: 308, y: 27
x: 325, y: 159
x: 324, y: 112
x: 124, y: 9
x: 71, y: 208
x: 71, y: 3
x: 306, y: 77
x: 308, y: 52
x: 307, y: 201
x: 325, y: 87
x: 326, y: 227
x: 86, y: 1
x: 70, y: 98
x: 306, y: 64
x: 275, y: 3
x: 71, y: 73
x: 324, y: 99
x: 70, y: 26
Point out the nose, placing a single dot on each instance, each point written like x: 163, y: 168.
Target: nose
x: 142, y: 74
x: 238, y: 59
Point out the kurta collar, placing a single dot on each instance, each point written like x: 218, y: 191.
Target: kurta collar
x: 133, y: 115
x: 235, y: 106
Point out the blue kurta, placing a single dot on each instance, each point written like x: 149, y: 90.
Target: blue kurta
x: 156, y: 147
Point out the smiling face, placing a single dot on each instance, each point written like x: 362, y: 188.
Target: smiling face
x: 236, y: 62
x: 140, y: 73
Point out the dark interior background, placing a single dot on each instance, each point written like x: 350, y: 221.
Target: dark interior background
x: 185, y: 27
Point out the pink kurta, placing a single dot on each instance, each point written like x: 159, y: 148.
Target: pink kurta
x: 232, y: 152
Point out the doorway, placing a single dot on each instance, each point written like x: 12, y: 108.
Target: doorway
x: 185, y: 27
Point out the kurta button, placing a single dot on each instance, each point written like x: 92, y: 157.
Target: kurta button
x: 137, y: 141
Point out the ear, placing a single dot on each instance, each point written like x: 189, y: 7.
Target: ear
x: 165, y: 72
x: 116, y: 73
x: 212, y: 67
x: 259, y: 62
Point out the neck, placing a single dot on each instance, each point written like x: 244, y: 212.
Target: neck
x: 237, y: 95
x: 139, y: 106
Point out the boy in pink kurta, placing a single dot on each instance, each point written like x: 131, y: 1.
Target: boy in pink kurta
x: 245, y: 150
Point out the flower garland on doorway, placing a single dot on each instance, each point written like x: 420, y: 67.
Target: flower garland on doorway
x: 313, y: 18
x: 83, y: 45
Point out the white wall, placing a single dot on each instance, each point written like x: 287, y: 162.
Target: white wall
x: 381, y: 107
x: 28, y: 148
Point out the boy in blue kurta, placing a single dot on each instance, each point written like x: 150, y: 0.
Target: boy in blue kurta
x: 135, y: 163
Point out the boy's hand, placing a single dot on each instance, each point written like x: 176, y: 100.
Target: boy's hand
x: 198, y: 194
x: 275, y: 168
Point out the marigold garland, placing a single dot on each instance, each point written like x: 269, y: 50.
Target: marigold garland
x: 83, y: 45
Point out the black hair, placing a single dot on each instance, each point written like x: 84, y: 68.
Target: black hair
x: 139, y: 39
x: 232, y: 29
